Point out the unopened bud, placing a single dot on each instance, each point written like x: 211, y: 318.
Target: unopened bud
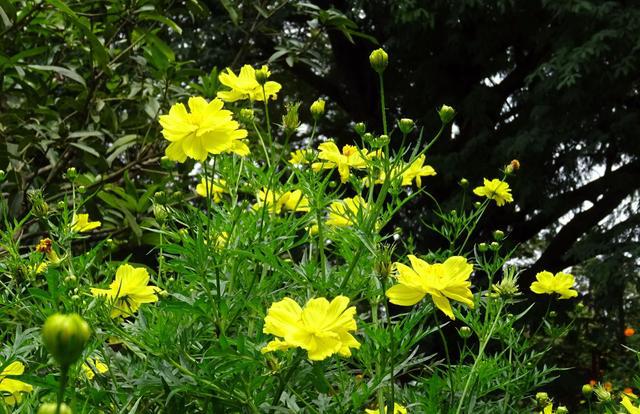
x: 290, y: 120
x: 464, y: 183
x: 495, y: 246
x: 477, y: 204
x: 3, y: 175
x: 61, y: 205
x: 379, y: 60
x: 483, y: 247
x: 360, y: 128
x: 562, y: 410
x: 82, y: 189
x: 406, y: 125
x: 71, y: 173
x: 160, y: 213
x: 446, y: 114
x: 465, y: 332
x: 65, y: 337
x: 70, y: 279
x: 587, y: 390
x: 514, y: 165
x: 166, y: 163
x: 262, y: 75
x: 160, y: 197
x: 498, y: 235
x: 542, y: 398
x: 52, y: 408
x: 317, y: 109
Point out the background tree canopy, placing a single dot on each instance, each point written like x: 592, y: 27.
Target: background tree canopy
x: 552, y: 84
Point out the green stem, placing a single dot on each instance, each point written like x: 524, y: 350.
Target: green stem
x: 391, y: 401
x: 64, y: 376
x: 446, y: 354
x: 383, y: 112
x: 287, y: 376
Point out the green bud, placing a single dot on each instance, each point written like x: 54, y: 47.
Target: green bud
x: 52, y: 408
x: 542, y: 398
x: 602, y: 394
x: 166, y: 163
x: 38, y: 204
x: 262, y: 75
x: 587, y: 390
x: 160, y: 213
x: 367, y: 137
x: 464, y: 183
x: 477, y: 204
x: 65, y: 337
x: 61, y: 205
x: 290, y: 120
x: 495, y: 246
x: 70, y: 279
x: 160, y: 197
x: 82, y: 189
x: 446, y: 114
x: 317, y: 109
x: 553, y: 314
x: 75, y: 298
x: 483, y: 247
x: 3, y: 175
x: 176, y: 196
x: 562, y: 410
x: 406, y: 125
x: 246, y: 115
x: 360, y: 128
x: 379, y: 60
x: 465, y: 332
x: 498, y: 235
x: 71, y: 173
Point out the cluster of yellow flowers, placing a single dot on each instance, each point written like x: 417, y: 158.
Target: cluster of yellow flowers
x: 12, y: 389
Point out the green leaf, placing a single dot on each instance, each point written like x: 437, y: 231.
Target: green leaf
x: 233, y: 13
x: 85, y: 148
x: 162, y: 19
x: 69, y: 73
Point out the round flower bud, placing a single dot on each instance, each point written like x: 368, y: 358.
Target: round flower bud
x: 495, y: 246
x: 587, y: 390
x: 166, y: 163
x: 367, y: 137
x: 262, y: 75
x: 65, y: 337
x: 483, y: 247
x: 446, y: 114
x: 464, y: 183
x: 465, y: 332
x: 498, y: 235
x: 379, y: 60
x: 514, y: 165
x: 61, y: 205
x: 3, y: 175
x: 406, y: 125
x: 160, y: 197
x: 71, y: 173
x: 82, y: 189
x: 52, y: 408
x: 317, y: 109
x: 160, y: 213
x: 477, y: 204
x: 562, y: 410
x: 360, y: 128
x: 70, y: 279
x: 542, y: 398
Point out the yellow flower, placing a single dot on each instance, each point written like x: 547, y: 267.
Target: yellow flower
x: 206, y: 129
x: 631, y: 409
x: 277, y: 201
x: 443, y: 281
x: 128, y: 291
x: 495, y: 190
x: 39, y: 269
x: 343, y: 213
x: 548, y: 409
x: 81, y: 223
x: 322, y: 328
x: 301, y: 156
x: 92, y: 366
x: 332, y: 157
x: 414, y: 171
x: 12, y: 389
x: 397, y: 409
x: 245, y: 85
x: 561, y: 284
x: 216, y: 189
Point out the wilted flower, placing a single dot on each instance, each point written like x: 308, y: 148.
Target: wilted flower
x: 322, y: 328
x: 246, y: 86
x: 207, y: 129
x: 128, y: 291
x: 561, y: 284
x: 443, y: 281
x: 495, y: 190
x: 46, y: 246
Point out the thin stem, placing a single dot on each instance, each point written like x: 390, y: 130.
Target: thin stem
x: 64, y: 376
x: 287, y: 376
x: 446, y: 354
x: 383, y: 112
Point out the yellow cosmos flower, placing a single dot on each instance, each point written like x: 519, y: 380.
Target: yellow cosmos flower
x: 12, y: 389
x: 443, y: 281
x: 128, y: 291
x: 216, y: 189
x: 414, y: 171
x: 207, y: 129
x: 628, y: 405
x: 343, y: 213
x: 561, y: 284
x: 397, y: 409
x: 277, y: 201
x: 92, y: 366
x: 332, y: 157
x: 245, y: 85
x: 81, y: 223
x: 495, y: 190
x: 301, y: 157
x: 322, y: 328
x: 548, y: 409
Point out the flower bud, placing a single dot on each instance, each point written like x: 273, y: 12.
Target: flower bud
x: 160, y: 197
x: 483, y: 247
x: 367, y: 137
x: 61, y: 205
x: 406, y: 125
x: 65, y: 337
x: 166, y: 163
x: 587, y: 390
x: 379, y: 60
x: 71, y: 173
x: 290, y: 120
x: 602, y: 394
x: 39, y: 206
x: 562, y: 410
x: 262, y: 75
x: 514, y: 165
x: 542, y: 398
x: 70, y: 279
x: 82, y: 189
x: 464, y: 183
x: 317, y: 109
x: 52, y: 408
x: 160, y: 213
x: 446, y: 114
x: 3, y: 175
x: 465, y: 332
x: 495, y: 246
x: 498, y: 235
x: 477, y: 204
x: 360, y: 128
